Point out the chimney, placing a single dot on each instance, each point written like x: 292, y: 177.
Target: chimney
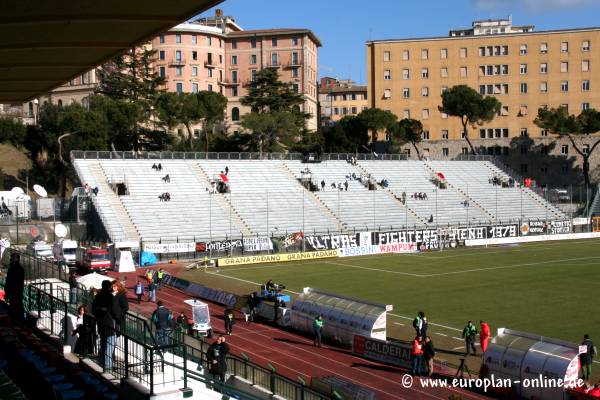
x: 218, y: 12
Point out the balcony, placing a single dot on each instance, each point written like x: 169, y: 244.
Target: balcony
x: 293, y: 64
x: 229, y: 82
x: 210, y: 64
x: 178, y: 62
x: 276, y: 64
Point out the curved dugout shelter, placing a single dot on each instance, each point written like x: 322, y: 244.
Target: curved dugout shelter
x: 533, y: 364
x: 344, y: 317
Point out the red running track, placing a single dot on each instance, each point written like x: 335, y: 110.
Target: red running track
x: 294, y: 355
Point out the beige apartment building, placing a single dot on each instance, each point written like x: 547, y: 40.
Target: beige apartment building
x: 340, y: 98
x: 523, y: 68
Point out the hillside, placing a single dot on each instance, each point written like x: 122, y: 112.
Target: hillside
x: 12, y: 161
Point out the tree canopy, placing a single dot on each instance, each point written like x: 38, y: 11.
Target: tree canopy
x: 407, y: 131
x: 472, y: 108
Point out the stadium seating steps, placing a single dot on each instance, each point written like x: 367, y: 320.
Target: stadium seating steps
x: 267, y: 197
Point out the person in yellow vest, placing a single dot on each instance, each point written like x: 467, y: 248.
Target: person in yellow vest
x: 318, y: 327
x: 159, y: 278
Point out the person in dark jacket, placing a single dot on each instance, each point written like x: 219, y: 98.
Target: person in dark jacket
x: 252, y: 303
x: 86, y: 332
x: 163, y: 321
x: 469, y: 334
x: 229, y: 318
x: 106, y: 310
x: 217, y: 358
x: 13, y: 288
x: 73, y: 288
x: 428, y: 355
x: 120, y: 293
x: 587, y: 358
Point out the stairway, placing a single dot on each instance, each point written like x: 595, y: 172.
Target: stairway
x: 316, y: 199
x: 115, y: 204
x: 222, y: 200
x: 595, y: 207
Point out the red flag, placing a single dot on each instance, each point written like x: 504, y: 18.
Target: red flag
x: 224, y: 178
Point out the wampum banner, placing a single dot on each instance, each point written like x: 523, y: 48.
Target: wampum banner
x: 424, y: 238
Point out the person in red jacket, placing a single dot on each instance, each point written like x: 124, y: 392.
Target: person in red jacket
x: 417, y: 355
x: 484, y: 335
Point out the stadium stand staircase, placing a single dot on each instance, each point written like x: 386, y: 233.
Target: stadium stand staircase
x: 117, y: 221
x: 595, y: 206
x: 223, y: 200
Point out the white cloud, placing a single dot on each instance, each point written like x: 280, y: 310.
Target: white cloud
x: 536, y: 5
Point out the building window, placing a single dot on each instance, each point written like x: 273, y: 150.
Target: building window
x: 585, y: 65
x: 425, y: 135
x: 425, y: 113
x: 233, y: 44
x: 406, y: 114
x: 464, y: 150
x: 425, y: 91
x: 178, y: 56
x: 161, y: 39
x: 564, y: 149
x: 233, y: 60
x: 523, y: 69
x: 194, y: 39
x: 424, y: 54
x: 253, y: 75
x: 564, y: 47
x: 387, y: 75
x: 523, y: 87
x: 544, y: 87
x: 274, y: 42
x: 253, y: 59
x: 178, y: 71
x: 425, y: 73
x: 543, y: 68
x: 564, y: 66
x: 178, y: 38
x: 405, y: 55
x: 445, y: 134
x: 586, y: 149
x: 161, y: 55
x: 444, y: 115
x: 194, y: 88
x: 585, y: 45
x: 443, y: 89
x: 295, y: 41
x: 253, y: 43
x: 463, y: 72
x: 295, y: 58
x: 544, y: 48
x: 387, y: 56
x: 523, y: 110
x: 161, y: 72
x: 505, y: 132
x: 209, y: 87
x: 523, y: 49
x: 194, y: 55
x: 406, y: 93
x: 296, y: 88
x: 444, y: 72
x: 463, y: 52
x: 564, y: 105
x: 564, y: 86
x: 354, y: 110
x: 209, y: 41
x: 274, y: 59
x: 524, y: 132
x: 405, y: 74
x: 209, y: 72
x: 294, y: 72
x: 179, y: 87
x: 194, y: 71
x: 234, y: 76
x: 585, y: 85
x: 544, y: 132
x: 443, y: 53
x: 585, y: 106
x: 445, y: 152
x: 387, y: 93
x: 482, y: 133
x: 235, y: 114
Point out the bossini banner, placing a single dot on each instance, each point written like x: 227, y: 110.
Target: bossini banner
x: 170, y: 248
x: 379, y: 249
x: 272, y: 258
x: 261, y: 243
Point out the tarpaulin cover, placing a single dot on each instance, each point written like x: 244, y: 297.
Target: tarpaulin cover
x: 148, y: 258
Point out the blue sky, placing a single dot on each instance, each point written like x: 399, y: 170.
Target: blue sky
x: 344, y: 25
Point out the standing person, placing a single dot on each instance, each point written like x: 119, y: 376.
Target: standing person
x: 105, y: 308
x: 120, y: 292
x: 587, y: 358
x: 484, y: 335
x: 417, y: 355
x: 229, y: 318
x: 160, y: 274
x: 323, y: 185
x: 428, y: 355
x: 182, y: 322
x: 139, y: 291
x: 217, y: 358
x: 152, y: 292
x: 73, y: 288
x: 346, y: 186
x: 163, y: 321
x: 318, y: 328
x: 469, y: 333
x: 13, y: 288
x: 252, y: 303
x: 149, y: 275
x: 85, y: 330
x: 420, y: 324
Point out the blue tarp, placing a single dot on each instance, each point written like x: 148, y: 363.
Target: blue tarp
x: 148, y: 258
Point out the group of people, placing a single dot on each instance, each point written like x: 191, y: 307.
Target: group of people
x: 154, y: 281
x: 166, y: 196
x: 87, y: 190
x: 157, y: 167
x: 339, y: 186
x: 498, y: 181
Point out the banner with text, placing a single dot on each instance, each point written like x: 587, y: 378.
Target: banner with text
x: 261, y: 243
x: 170, y: 248
x: 393, y: 353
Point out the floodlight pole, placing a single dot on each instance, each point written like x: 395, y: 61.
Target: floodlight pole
x: 267, y: 212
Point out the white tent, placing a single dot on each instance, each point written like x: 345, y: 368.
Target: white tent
x: 93, y: 280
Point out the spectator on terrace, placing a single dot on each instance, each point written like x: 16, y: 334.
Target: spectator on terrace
x: 154, y: 166
x: 403, y: 197
x: 152, y: 291
x: 159, y: 167
x: 428, y: 355
x: 85, y: 330
x: 424, y: 196
x: 163, y: 320
x: 346, y: 186
x: 105, y: 309
x: 333, y: 185
x: 166, y: 178
x: 182, y: 322
x: 217, y: 358
x: 430, y: 219
x: 120, y: 293
x: 587, y: 358
x: 322, y: 185
x: 95, y: 191
x: 86, y: 189
x: 73, y: 288
x: 161, y: 197
x: 226, y: 170
x: 139, y: 291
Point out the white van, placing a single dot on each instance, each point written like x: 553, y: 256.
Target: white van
x: 65, y: 251
x: 40, y: 249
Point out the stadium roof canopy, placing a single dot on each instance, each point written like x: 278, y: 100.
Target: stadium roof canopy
x: 45, y: 43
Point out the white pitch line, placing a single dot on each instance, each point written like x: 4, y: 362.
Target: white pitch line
x: 374, y: 269
x: 441, y: 334
x: 457, y: 338
x: 398, y: 323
